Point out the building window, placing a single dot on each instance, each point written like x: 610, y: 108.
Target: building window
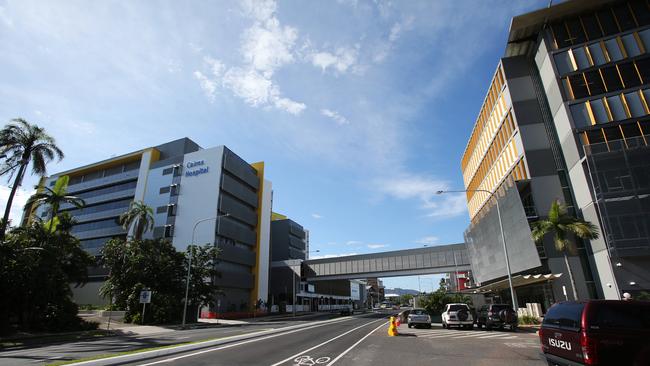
x: 624, y: 17
x: 174, y: 189
x: 177, y: 170
x: 591, y: 26
x: 581, y: 58
x: 578, y: 86
x: 594, y: 82
x: 165, y: 190
x: 616, y: 107
x: 631, y: 46
x: 613, y: 50
x: 611, y: 78
x: 635, y: 105
x: 161, y: 209
x: 597, y: 54
x: 580, y: 115
x: 645, y: 38
x: 564, y: 63
x: 167, y: 171
x: 599, y: 111
x: 607, y: 22
x: 171, y: 209
x: 629, y: 75
x: 643, y: 66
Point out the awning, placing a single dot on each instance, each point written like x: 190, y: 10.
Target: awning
x: 517, y: 281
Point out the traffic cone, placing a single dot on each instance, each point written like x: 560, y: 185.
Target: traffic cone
x: 392, y: 328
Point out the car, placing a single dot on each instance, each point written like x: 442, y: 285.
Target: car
x: 457, y: 315
x: 346, y: 311
x: 497, y: 316
x: 418, y: 317
x: 597, y: 332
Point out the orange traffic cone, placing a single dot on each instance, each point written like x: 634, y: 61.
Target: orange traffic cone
x: 392, y: 328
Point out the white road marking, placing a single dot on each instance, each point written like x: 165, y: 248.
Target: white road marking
x: 468, y: 336
x: 492, y: 336
x: 354, y: 345
x: 172, y: 359
x: 324, y: 343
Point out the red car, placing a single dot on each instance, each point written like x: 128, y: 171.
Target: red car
x: 597, y: 332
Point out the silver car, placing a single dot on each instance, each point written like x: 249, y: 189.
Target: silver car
x: 419, y: 317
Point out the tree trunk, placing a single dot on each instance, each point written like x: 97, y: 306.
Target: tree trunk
x: 573, y: 282
x: 17, y: 182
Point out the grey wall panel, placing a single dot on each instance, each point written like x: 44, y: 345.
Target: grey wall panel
x: 233, y: 230
x: 545, y: 189
x: 527, y: 112
x: 554, y: 98
x: 484, y: 242
x: 235, y: 254
x: 236, y: 280
x: 237, y: 209
x: 541, y: 162
x: 515, y: 67
x: 238, y: 167
x: 569, y: 149
x: 521, y: 88
x: 238, y: 190
x: 297, y: 243
x: 589, y: 214
x: 534, y: 137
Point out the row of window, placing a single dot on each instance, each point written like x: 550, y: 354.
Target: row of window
x: 609, y: 109
x: 607, y: 79
x: 170, y: 209
x: 602, y: 23
x: 101, y: 207
x: 629, y: 133
x: 95, y: 225
x: 490, y: 128
x: 500, y: 140
x: 103, y: 173
x: 493, y: 92
x: 106, y: 190
x: 602, y: 52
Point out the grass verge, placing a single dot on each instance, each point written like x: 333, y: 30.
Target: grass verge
x: 33, y: 340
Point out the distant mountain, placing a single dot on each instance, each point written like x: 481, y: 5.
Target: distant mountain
x: 400, y: 291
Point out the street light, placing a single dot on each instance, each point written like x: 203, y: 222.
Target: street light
x: 189, y: 266
x: 503, y: 237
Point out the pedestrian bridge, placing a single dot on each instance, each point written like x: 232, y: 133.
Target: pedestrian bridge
x: 409, y: 262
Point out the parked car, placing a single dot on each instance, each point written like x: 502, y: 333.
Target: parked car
x: 597, y: 332
x: 457, y: 315
x: 497, y: 316
x: 417, y: 317
x: 346, y: 311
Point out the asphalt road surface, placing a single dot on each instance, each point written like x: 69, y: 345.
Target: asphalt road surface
x: 363, y: 340
x: 40, y: 355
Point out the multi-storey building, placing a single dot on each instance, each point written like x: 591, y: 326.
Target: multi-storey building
x: 198, y: 196
x: 567, y: 117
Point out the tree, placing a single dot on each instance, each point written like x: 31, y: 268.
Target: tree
x: 54, y: 198
x: 37, y: 266
x: 22, y: 143
x: 563, y: 226
x: 434, y: 303
x: 139, y: 217
x: 156, y: 265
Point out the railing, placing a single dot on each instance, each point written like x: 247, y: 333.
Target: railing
x: 617, y: 145
x: 109, y: 180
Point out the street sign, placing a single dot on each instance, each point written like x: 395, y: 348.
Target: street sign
x: 145, y: 297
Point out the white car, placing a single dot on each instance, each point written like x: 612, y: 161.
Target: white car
x: 419, y: 317
x: 457, y: 315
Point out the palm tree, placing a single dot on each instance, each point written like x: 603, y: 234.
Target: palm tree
x: 22, y: 143
x: 139, y: 217
x: 563, y: 226
x: 54, y: 197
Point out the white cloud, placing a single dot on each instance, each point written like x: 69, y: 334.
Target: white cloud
x: 424, y: 189
x: 21, y: 197
x: 5, y: 19
x: 377, y: 246
x: 208, y: 85
x: 265, y: 46
x: 316, y: 216
x: 354, y: 242
x: 341, y: 60
x: 331, y: 255
x: 384, y: 48
x: 339, y: 119
x: 427, y: 240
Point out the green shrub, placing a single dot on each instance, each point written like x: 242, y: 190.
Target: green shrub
x: 528, y: 320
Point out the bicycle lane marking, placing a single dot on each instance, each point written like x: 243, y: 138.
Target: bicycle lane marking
x: 230, y: 345
x: 324, y: 343
x: 354, y: 345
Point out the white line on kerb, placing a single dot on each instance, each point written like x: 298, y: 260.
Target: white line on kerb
x: 324, y: 343
x: 235, y: 344
x: 354, y: 345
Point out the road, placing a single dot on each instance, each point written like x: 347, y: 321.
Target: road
x: 40, y: 355
x: 363, y: 340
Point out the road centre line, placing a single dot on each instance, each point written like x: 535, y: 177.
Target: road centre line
x: 354, y: 345
x: 324, y: 343
x: 239, y: 343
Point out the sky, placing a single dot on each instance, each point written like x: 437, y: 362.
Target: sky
x: 360, y: 110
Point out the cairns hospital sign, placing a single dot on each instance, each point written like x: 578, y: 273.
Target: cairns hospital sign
x: 195, y: 168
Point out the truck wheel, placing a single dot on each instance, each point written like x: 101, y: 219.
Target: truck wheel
x: 479, y: 325
x: 410, y: 325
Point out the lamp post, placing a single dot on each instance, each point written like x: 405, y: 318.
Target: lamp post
x: 189, y: 265
x: 503, y: 238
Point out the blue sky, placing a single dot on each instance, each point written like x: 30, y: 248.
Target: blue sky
x: 360, y: 109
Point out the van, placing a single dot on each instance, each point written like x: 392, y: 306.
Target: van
x: 597, y: 332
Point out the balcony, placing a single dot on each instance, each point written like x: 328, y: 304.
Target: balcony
x: 104, y: 198
x: 100, y: 215
x: 90, y: 234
